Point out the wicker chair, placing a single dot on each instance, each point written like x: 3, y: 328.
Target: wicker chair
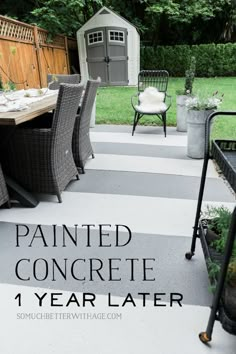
x: 62, y: 79
x: 41, y: 159
x: 4, y: 198
x: 81, y: 144
x: 151, y: 78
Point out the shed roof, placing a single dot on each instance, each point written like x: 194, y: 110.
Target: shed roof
x: 106, y: 9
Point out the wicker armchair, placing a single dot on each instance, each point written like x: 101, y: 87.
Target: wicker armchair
x: 159, y: 80
x: 41, y: 159
x: 4, y: 198
x: 62, y: 79
x: 81, y: 144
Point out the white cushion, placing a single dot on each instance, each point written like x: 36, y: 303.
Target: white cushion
x: 151, y: 101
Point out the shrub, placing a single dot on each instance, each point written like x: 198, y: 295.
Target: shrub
x: 212, y: 59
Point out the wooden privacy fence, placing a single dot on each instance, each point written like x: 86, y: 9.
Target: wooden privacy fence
x: 27, y: 56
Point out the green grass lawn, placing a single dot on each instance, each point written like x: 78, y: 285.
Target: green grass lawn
x: 114, y: 107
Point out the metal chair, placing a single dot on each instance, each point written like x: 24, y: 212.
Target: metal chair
x: 41, y: 159
x: 159, y: 80
x: 4, y: 198
x: 62, y: 79
x: 81, y: 144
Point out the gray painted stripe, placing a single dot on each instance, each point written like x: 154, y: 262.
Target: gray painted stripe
x: 150, y: 185
x: 171, y: 271
x: 173, y: 152
x: 139, y: 130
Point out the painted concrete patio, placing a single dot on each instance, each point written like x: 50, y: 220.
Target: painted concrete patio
x: 147, y: 183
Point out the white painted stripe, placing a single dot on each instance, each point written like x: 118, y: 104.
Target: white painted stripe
x: 141, y: 330
x: 174, y: 217
x: 147, y: 139
x: 150, y: 165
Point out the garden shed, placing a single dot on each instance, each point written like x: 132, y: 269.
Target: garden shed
x: 109, y: 47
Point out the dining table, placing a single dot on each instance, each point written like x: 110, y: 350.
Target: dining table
x: 16, y: 108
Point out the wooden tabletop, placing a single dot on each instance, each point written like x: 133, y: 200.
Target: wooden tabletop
x: 36, y: 109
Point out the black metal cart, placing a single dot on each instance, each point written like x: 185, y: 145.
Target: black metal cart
x: 224, y: 153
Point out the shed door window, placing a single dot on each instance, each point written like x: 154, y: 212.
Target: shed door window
x: 116, y: 36
x: 95, y: 37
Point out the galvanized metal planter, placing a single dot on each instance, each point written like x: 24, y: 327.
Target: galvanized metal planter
x: 196, y: 132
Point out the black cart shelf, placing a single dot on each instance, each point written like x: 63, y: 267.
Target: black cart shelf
x: 224, y: 153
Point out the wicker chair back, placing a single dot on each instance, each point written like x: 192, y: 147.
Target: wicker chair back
x: 81, y: 144
x: 41, y: 159
x: 65, y: 112
x: 87, y: 104
x: 62, y: 79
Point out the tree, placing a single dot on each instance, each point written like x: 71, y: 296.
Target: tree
x: 63, y: 16
x: 158, y: 21
x: 17, y: 9
x: 66, y: 16
x: 188, y: 20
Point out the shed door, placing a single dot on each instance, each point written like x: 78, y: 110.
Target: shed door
x: 96, y: 53
x: 107, y: 55
x: 117, y: 55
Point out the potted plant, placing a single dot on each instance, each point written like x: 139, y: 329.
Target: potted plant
x: 216, y: 221
x: 199, y: 108
x: 182, y: 95
x: 9, y: 86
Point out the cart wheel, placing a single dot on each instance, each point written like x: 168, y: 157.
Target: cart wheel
x: 204, y: 337
x: 188, y: 255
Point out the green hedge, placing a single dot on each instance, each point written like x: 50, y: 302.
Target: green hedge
x: 212, y: 59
